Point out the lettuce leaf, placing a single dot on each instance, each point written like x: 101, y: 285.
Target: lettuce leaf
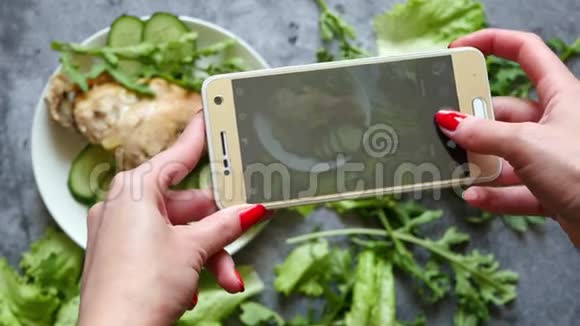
x: 215, y: 304
x: 426, y: 24
x: 254, y: 314
x: 54, y: 261
x: 68, y: 313
x: 51, y: 269
x: 373, y: 300
x: 22, y: 303
x: 301, y: 261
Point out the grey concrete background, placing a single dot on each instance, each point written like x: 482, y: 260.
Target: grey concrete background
x: 284, y: 32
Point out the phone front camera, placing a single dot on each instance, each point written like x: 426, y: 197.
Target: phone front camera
x: 218, y: 100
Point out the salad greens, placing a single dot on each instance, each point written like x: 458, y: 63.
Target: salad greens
x: 564, y: 50
x: 518, y: 223
x: 215, y: 304
x: 47, y: 293
x: 373, y: 297
x: 335, y: 31
x: 426, y: 24
x: 172, y: 56
x: 54, y: 262
x: 51, y: 273
x: 475, y: 279
x: 256, y: 314
x: 508, y: 79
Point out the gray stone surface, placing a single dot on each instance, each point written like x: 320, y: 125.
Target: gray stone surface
x: 549, y: 267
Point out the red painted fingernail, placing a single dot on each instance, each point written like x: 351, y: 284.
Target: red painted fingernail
x: 194, y: 300
x: 252, y: 216
x: 449, y: 119
x: 239, y: 277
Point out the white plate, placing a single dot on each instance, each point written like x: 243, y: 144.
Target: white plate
x: 54, y: 148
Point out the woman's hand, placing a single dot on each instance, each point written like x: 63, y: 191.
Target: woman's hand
x: 540, y: 141
x: 143, y: 254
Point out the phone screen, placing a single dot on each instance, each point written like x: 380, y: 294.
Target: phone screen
x: 339, y: 130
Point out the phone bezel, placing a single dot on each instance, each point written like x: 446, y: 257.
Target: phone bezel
x: 471, y: 81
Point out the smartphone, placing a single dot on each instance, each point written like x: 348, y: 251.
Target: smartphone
x: 341, y: 130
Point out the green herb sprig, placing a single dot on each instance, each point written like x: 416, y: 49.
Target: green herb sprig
x: 175, y: 61
x: 333, y: 29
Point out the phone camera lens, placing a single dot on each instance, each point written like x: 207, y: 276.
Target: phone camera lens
x: 218, y: 100
x: 227, y: 172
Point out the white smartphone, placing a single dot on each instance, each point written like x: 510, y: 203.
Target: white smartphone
x: 350, y: 129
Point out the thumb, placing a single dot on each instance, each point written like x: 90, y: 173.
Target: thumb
x: 483, y: 136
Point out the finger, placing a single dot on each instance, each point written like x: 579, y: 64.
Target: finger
x: 172, y: 165
x: 504, y: 139
x: 223, y: 268
x: 571, y: 229
x: 189, y: 205
x: 213, y: 233
x: 507, y: 177
x: 512, y: 109
x: 517, y: 200
x: 93, y: 224
x: 543, y: 66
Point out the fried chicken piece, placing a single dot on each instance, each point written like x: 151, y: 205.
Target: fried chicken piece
x: 135, y: 128
x: 58, y: 100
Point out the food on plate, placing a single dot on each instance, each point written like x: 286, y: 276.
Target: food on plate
x: 134, y: 127
x: 90, y: 174
x: 131, y: 98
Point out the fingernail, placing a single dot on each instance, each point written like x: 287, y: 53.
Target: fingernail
x: 469, y: 195
x: 194, y: 300
x: 252, y: 216
x: 449, y: 119
x: 239, y: 277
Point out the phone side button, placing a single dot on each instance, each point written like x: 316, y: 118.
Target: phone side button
x: 479, y: 108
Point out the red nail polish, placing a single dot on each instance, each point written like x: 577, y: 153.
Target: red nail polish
x: 239, y: 277
x: 252, y: 216
x: 194, y: 300
x: 449, y: 119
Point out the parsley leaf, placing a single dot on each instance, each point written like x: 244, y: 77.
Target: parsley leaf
x: 333, y: 29
x: 476, y: 279
x: 564, y: 50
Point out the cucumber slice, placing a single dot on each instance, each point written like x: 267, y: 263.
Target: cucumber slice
x: 164, y: 27
x: 205, y: 177
x: 191, y: 181
x: 90, y: 173
x: 125, y: 31
x: 104, y: 183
